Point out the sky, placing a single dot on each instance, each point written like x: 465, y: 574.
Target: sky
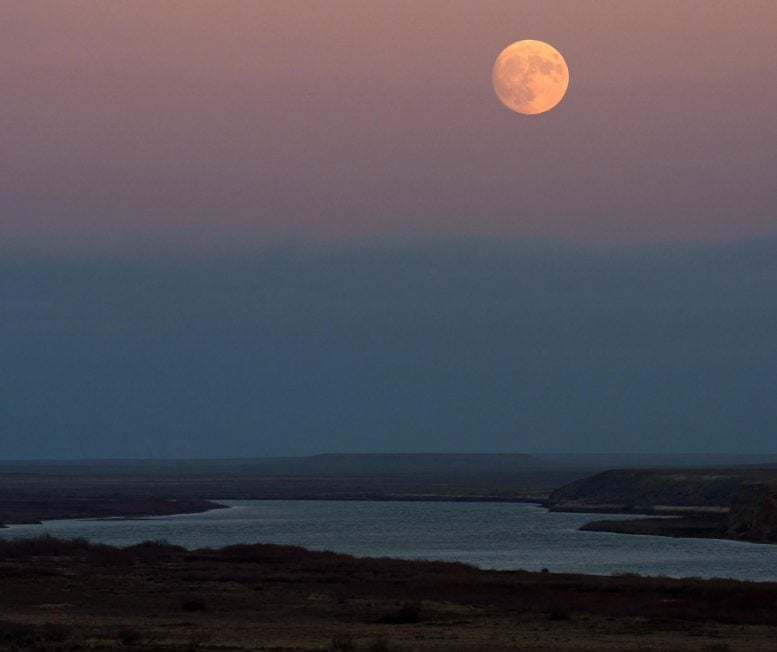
x: 249, y: 227
x: 195, y: 120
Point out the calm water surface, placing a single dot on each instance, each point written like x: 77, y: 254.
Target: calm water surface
x: 489, y: 535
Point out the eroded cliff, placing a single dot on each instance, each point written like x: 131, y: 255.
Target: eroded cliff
x: 753, y: 514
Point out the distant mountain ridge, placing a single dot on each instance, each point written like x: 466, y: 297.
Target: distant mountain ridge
x: 325, y: 463
x: 419, y: 462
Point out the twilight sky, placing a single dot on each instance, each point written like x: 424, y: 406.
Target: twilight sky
x: 447, y: 345
x: 203, y: 120
x: 244, y: 227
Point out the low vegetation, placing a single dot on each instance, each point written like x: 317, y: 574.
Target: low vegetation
x: 155, y: 596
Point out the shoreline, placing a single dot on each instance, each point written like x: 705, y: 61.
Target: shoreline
x: 697, y: 526
x: 678, y: 527
x: 37, y: 511
x: 673, y: 523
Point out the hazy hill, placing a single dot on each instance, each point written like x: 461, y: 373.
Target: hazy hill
x: 418, y: 463
x: 643, y: 490
x: 334, y: 463
x: 390, y: 463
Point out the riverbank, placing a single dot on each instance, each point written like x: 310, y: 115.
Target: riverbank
x: 23, y: 512
x: 708, y: 525
x: 37, y: 510
x: 61, y: 595
x: 698, y: 526
x: 736, y: 504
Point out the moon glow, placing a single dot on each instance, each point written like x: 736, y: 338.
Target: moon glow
x: 530, y: 77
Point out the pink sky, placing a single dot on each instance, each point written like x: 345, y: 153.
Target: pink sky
x: 226, y: 119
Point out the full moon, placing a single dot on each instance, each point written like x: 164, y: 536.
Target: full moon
x: 530, y: 77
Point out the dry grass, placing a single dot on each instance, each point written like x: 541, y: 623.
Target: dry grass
x: 61, y: 595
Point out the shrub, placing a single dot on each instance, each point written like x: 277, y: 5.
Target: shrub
x: 44, y: 545
x: 408, y: 613
x: 194, y: 604
x: 155, y: 549
x: 129, y: 636
x: 558, y: 615
x: 109, y: 555
x: 17, y: 634
x: 379, y: 644
x: 343, y: 643
x: 55, y: 632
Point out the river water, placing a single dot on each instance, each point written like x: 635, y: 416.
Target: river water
x: 489, y: 535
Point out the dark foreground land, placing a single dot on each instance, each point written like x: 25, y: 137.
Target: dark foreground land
x: 74, y: 595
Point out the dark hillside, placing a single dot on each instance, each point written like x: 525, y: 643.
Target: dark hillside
x: 753, y: 514
x: 725, y: 506
x: 656, y: 490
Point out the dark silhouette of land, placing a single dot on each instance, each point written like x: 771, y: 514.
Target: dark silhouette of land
x: 67, y: 595
x: 36, y: 510
x: 653, y: 491
x: 738, y: 503
x: 699, y: 526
